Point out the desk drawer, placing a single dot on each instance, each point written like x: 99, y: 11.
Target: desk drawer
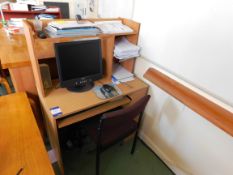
x: 92, y: 112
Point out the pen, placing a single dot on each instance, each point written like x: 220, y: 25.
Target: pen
x: 20, y: 170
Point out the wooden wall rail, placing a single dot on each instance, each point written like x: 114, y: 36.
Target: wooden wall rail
x: 213, y: 112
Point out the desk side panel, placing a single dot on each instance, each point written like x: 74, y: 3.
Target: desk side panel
x: 51, y: 127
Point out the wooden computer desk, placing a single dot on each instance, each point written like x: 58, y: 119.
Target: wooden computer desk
x: 76, y: 107
x: 21, y: 145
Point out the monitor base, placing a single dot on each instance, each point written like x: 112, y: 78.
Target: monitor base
x: 81, y: 88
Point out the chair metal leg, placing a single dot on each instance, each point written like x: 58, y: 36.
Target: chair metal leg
x: 134, y: 142
x: 136, y: 134
x: 97, y: 161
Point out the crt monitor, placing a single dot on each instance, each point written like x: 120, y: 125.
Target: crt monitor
x: 79, y: 63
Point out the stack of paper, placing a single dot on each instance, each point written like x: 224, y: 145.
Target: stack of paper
x: 70, y: 29
x: 125, y: 50
x: 52, y: 9
x: 120, y: 74
x: 109, y: 27
x: 61, y: 24
x: 38, y: 7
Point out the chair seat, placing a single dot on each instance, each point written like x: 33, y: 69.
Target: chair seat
x: 112, y: 134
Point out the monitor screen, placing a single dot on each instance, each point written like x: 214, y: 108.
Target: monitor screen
x: 78, y: 60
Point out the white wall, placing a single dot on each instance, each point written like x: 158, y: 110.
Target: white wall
x: 186, y: 142
x: 115, y: 8
x: 194, y: 40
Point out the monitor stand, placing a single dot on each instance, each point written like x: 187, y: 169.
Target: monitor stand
x: 81, y: 87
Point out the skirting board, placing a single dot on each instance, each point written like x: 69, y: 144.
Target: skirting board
x: 177, y: 169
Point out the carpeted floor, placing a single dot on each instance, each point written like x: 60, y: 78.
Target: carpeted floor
x: 116, y: 160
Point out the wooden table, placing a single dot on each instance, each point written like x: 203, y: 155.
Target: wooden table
x: 21, y: 144
x: 14, y: 56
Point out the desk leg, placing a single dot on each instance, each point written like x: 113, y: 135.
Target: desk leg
x: 23, y: 79
x: 52, y: 131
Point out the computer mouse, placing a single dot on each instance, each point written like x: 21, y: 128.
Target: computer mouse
x: 108, y: 88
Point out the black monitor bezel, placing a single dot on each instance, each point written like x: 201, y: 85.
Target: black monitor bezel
x: 78, y: 80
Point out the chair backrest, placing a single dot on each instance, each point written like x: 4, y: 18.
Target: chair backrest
x: 113, y: 119
x: 4, y: 81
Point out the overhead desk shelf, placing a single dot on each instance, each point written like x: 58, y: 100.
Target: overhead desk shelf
x: 42, y: 50
x: 29, y: 14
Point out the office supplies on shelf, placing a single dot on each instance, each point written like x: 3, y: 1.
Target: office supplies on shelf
x: 120, y: 74
x: 125, y: 49
x: 115, y: 26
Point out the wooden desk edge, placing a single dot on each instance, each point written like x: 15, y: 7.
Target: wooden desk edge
x: 10, y: 65
x: 23, y: 153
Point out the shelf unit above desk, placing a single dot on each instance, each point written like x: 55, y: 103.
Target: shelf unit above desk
x: 42, y: 50
x: 29, y: 14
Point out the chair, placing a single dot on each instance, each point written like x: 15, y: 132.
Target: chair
x: 4, y: 81
x: 115, y: 126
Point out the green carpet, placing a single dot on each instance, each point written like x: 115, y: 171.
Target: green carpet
x: 116, y: 160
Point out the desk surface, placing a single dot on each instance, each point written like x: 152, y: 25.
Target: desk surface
x: 73, y: 102
x: 21, y: 145
x: 13, y: 50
